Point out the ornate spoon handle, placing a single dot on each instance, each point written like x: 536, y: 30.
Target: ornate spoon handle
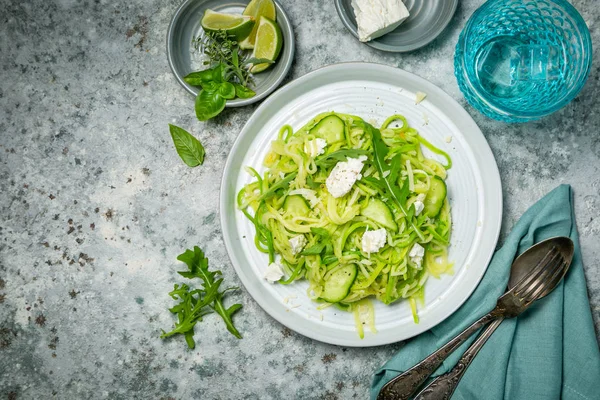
x: 407, y: 383
x: 442, y: 387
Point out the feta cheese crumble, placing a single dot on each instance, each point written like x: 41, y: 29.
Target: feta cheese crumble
x: 375, y: 18
x: 419, y: 205
x: 373, y: 241
x: 315, y: 147
x: 344, y: 175
x: 416, y: 254
x: 273, y: 273
x: 297, y: 243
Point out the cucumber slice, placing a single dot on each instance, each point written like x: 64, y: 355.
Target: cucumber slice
x: 296, y: 205
x: 379, y: 212
x: 330, y: 128
x: 338, y: 285
x: 435, y: 197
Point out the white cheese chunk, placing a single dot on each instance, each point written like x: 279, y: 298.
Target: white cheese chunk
x: 297, y: 243
x: 344, y: 175
x: 373, y: 241
x: 375, y: 18
x: 315, y: 147
x: 416, y: 254
x: 273, y: 273
x: 419, y: 205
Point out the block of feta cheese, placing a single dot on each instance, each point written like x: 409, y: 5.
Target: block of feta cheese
x: 419, y: 205
x: 416, y: 254
x: 377, y: 17
x: 344, y: 175
x: 373, y: 241
x: 297, y: 243
x: 315, y: 147
x: 273, y: 273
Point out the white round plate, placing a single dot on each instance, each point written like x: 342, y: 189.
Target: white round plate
x: 373, y: 92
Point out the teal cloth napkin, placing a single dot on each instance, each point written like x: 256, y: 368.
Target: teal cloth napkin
x: 549, y: 352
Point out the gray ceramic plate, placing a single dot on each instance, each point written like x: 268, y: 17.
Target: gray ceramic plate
x: 427, y: 20
x: 373, y: 92
x: 183, y: 59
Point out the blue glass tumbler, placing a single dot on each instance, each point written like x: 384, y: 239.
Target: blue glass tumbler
x: 519, y: 60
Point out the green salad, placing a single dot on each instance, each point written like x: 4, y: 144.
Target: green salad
x: 358, y: 212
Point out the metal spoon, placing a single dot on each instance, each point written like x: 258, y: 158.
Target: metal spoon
x: 534, y: 274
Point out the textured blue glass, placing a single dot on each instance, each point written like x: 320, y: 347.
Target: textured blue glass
x: 519, y: 60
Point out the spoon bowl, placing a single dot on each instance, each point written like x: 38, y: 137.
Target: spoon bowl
x: 524, y: 264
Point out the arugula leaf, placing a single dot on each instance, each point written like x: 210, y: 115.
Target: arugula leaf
x: 209, y: 105
x: 314, y: 249
x: 243, y: 92
x: 192, y: 308
x: 397, y: 194
x: 329, y: 160
x: 194, y: 304
x: 324, y: 233
x: 328, y: 259
x: 279, y: 185
x: 188, y: 147
x: 324, y: 241
x: 310, y: 182
x: 198, y: 265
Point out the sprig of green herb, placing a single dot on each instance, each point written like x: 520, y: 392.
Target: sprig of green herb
x: 227, y: 76
x: 194, y: 304
x: 398, y: 194
x: 188, y: 147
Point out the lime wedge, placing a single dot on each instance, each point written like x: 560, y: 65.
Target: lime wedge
x: 239, y: 26
x: 268, y: 43
x: 257, y: 9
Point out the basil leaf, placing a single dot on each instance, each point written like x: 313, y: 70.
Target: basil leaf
x: 211, y: 87
x: 199, y: 78
x: 227, y: 90
x: 218, y: 73
x: 188, y: 147
x: 208, y: 105
x: 243, y: 92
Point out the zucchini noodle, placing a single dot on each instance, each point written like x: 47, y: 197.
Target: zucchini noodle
x: 318, y: 237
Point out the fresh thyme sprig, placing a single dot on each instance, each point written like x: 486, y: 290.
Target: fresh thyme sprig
x: 220, y: 48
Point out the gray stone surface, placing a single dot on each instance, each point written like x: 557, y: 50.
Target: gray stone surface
x: 95, y: 205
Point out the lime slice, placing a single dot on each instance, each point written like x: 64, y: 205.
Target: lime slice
x: 268, y: 43
x: 239, y: 26
x: 257, y: 9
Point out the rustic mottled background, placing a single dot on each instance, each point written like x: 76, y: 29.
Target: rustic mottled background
x: 95, y: 205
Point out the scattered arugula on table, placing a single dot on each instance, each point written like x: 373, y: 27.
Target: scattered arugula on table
x: 226, y: 78
x: 196, y: 303
x: 188, y: 147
